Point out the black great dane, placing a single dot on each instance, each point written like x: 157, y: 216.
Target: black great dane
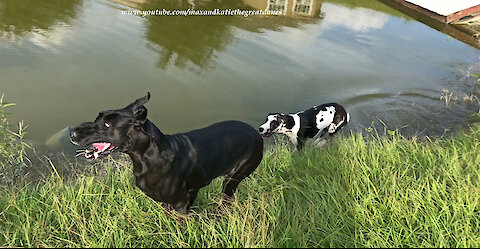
x: 172, y: 168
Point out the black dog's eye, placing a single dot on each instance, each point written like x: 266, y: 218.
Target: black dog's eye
x: 107, y: 125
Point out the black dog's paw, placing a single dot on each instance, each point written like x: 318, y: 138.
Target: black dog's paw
x: 175, y: 213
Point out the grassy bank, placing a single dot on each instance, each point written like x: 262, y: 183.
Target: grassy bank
x: 380, y: 192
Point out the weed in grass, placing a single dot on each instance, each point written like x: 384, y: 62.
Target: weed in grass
x: 448, y: 97
x: 13, y: 158
x: 469, y: 98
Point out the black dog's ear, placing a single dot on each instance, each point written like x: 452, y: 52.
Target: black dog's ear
x: 138, y: 110
x: 138, y: 103
x: 140, y: 115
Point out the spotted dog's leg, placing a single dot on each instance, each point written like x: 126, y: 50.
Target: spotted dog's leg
x: 319, y: 143
x: 300, y: 144
x: 320, y: 140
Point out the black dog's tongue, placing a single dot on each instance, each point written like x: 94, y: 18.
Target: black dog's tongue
x: 97, y: 149
x: 101, y: 146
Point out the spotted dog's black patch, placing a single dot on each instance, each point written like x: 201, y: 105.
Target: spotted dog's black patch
x: 289, y: 121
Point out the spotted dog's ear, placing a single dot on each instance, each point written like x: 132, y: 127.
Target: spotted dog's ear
x: 287, y: 121
x: 281, y: 118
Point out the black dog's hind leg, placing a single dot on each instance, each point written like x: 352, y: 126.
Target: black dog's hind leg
x: 192, y: 194
x: 239, y: 173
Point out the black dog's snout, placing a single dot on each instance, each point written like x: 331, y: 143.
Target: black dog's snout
x: 73, y: 135
x: 260, y: 129
x: 79, y: 130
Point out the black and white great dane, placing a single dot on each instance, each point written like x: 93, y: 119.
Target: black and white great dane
x: 172, y: 168
x: 315, y: 122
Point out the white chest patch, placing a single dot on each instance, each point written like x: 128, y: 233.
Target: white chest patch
x: 325, y: 118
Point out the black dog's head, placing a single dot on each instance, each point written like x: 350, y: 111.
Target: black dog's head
x: 110, y: 130
x: 274, y: 122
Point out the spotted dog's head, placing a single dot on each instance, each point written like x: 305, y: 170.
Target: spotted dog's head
x: 274, y: 123
x: 110, y: 130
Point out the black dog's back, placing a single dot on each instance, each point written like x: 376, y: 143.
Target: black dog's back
x: 234, y: 140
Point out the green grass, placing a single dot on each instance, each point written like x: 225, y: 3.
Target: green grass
x: 380, y: 192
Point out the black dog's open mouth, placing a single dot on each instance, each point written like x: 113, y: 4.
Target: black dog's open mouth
x: 98, y: 150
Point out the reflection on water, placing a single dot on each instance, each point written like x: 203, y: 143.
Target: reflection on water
x: 18, y: 18
x: 64, y: 61
x: 290, y: 8
x: 180, y: 40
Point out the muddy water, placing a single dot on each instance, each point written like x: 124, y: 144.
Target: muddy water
x: 64, y: 61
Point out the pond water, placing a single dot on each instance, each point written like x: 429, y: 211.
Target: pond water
x: 62, y: 62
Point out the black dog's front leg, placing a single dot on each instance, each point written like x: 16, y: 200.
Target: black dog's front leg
x: 180, y: 207
x: 184, y: 206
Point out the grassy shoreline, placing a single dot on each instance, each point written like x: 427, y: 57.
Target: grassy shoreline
x: 386, y: 191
